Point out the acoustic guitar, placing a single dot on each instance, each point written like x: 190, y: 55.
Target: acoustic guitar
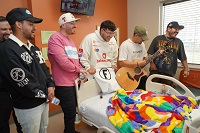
x: 129, y: 78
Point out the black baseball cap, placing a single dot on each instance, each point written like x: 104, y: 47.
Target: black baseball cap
x: 175, y: 24
x: 20, y: 14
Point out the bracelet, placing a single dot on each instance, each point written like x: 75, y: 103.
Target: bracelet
x: 188, y: 70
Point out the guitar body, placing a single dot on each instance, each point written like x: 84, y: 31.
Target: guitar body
x: 129, y: 78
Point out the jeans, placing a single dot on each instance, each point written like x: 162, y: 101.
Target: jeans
x: 18, y: 126
x: 34, y: 120
x: 67, y: 96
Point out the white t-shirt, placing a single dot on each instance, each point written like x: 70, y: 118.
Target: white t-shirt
x: 131, y: 51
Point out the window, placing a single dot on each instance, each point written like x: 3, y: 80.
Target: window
x: 187, y: 13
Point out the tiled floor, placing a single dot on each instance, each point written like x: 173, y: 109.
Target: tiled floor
x: 56, y: 125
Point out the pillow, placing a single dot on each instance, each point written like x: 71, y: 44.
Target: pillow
x: 105, y: 78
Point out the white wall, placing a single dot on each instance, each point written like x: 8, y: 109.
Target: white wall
x: 145, y: 13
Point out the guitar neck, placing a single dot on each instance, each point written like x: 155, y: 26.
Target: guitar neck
x: 151, y: 58
x: 156, y: 54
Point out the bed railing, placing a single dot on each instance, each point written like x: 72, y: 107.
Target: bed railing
x: 86, y: 89
x: 150, y: 85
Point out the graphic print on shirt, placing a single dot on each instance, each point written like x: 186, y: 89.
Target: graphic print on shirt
x: 137, y: 52
x: 102, y: 54
x: 26, y: 57
x: 96, y: 49
x: 105, y: 74
x: 71, y: 52
x: 80, y: 52
x: 18, y: 75
x: 41, y: 58
x: 165, y: 60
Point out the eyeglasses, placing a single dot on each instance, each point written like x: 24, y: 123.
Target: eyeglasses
x: 109, y: 33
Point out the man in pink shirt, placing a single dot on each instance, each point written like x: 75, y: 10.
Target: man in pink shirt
x: 63, y: 56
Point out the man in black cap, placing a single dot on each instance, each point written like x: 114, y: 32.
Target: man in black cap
x: 166, y: 64
x: 25, y: 73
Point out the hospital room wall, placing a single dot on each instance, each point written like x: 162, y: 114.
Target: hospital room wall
x: 146, y: 13
x: 49, y: 10
x: 131, y: 13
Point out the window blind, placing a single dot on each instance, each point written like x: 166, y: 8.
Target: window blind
x: 186, y: 13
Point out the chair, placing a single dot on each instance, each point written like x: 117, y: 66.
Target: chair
x: 192, y: 80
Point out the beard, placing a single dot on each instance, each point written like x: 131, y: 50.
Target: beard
x: 29, y: 36
x: 173, y: 35
x: 5, y: 37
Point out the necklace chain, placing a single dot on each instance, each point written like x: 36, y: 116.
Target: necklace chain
x: 168, y: 38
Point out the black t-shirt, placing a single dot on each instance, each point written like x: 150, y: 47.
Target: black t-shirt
x: 167, y: 62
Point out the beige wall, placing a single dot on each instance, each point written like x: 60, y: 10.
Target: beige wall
x: 145, y: 13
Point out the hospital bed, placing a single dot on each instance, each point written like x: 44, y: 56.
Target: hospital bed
x: 92, y: 104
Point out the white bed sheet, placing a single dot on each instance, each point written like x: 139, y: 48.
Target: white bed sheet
x: 94, y: 109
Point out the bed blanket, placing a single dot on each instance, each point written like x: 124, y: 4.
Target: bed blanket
x: 146, y: 111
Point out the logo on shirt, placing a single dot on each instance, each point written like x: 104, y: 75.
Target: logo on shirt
x: 80, y: 50
x: 94, y: 43
x: 96, y: 50
x: 26, y: 57
x: 41, y: 58
x: 71, y: 52
x: 105, y: 74
x: 18, y: 75
x: 104, y: 55
x: 104, y: 59
x: 140, y: 51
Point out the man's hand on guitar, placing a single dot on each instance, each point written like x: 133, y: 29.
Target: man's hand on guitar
x: 161, y: 51
x: 141, y: 63
x: 114, y: 68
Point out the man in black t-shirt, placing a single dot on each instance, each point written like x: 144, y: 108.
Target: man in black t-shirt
x: 166, y: 64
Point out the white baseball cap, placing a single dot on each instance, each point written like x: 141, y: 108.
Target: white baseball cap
x: 67, y: 17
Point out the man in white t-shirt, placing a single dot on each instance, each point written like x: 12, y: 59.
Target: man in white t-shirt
x: 134, y: 49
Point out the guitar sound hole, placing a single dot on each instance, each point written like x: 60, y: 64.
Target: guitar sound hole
x: 137, y: 70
